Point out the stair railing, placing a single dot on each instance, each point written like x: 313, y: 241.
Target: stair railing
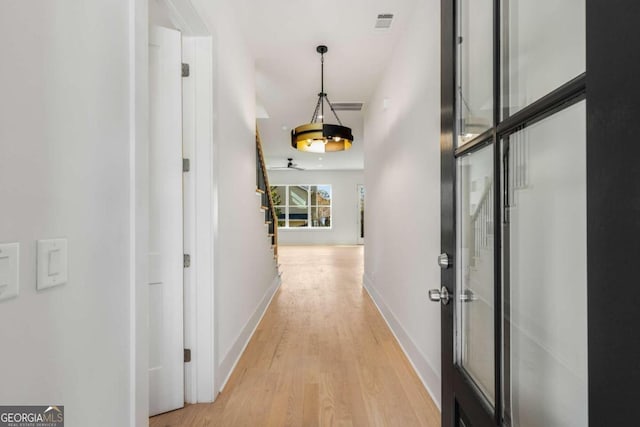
x: 262, y: 186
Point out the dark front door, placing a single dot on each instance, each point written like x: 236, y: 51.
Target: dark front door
x: 536, y: 185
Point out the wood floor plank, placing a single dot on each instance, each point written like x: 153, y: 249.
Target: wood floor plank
x: 322, y: 356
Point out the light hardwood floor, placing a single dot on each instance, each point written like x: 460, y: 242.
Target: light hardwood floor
x: 321, y: 356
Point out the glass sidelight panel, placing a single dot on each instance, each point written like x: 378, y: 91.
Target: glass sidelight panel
x: 475, y: 274
x: 475, y: 68
x: 535, y: 34
x: 545, y: 277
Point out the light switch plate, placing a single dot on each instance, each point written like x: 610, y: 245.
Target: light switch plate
x: 9, y: 270
x: 52, y: 263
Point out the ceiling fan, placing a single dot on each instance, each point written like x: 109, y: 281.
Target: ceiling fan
x: 290, y: 165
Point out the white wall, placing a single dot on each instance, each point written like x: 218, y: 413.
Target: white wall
x: 73, y: 165
x: 245, y: 272
x: 344, y: 210
x: 65, y: 172
x: 159, y: 14
x: 402, y: 178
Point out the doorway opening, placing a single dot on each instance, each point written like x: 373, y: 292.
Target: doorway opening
x: 361, y: 194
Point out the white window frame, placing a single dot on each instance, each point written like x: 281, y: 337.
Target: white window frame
x: 287, y: 205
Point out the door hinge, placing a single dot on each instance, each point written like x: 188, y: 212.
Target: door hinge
x: 186, y: 165
x: 187, y: 355
x: 185, y: 70
x: 186, y: 261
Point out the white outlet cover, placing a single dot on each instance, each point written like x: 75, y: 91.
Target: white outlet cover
x: 9, y: 270
x: 52, y: 263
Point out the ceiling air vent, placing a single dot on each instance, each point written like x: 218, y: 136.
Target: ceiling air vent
x: 347, y: 106
x: 384, y: 20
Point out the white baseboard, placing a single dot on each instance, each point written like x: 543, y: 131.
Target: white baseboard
x: 423, y: 368
x: 228, y: 364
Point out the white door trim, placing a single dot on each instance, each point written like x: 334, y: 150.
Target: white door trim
x: 199, y: 219
x: 138, y: 212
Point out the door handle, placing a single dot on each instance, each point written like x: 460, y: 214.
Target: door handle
x: 444, y: 261
x: 439, y: 295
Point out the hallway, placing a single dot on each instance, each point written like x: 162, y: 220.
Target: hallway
x: 322, y: 355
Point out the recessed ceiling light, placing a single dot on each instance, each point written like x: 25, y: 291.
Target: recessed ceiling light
x: 319, y: 158
x: 319, y: 166
x: 285, y: 128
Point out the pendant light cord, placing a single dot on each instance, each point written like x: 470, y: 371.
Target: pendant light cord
x: 322, y: 94
x: 321, y: 98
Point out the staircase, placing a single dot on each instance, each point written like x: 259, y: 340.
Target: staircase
x: 266, y: 201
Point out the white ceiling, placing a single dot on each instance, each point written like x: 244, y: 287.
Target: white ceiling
x: 283, y: 35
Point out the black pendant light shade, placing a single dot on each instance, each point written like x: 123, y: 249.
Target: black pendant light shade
x: 317, y: 136
x: 321, y: 138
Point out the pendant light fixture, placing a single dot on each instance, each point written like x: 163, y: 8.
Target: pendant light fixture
x: 316, y: 136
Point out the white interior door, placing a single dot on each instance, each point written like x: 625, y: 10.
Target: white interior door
x: 166, y: 342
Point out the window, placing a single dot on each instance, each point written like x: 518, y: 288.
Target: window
x: 302, y: 206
